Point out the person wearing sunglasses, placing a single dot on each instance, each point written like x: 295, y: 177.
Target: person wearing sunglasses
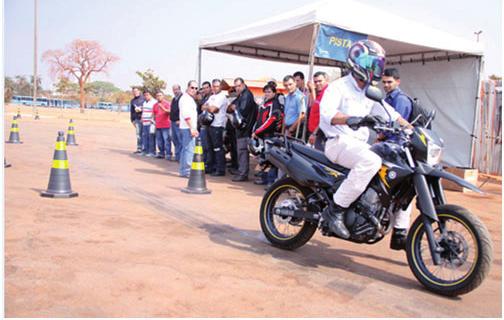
x: 188, y: 127
x: 345, y: 103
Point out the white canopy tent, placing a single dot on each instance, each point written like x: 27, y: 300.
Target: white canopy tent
x: 438, y: 68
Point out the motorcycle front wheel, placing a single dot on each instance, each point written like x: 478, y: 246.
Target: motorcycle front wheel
x: 466, y: 252
x: 284, y: 231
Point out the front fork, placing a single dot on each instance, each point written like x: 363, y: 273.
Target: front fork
x: 426, y: 206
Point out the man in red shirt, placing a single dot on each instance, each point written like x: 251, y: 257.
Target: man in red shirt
x: 320, y: 83
x: 162, y: 118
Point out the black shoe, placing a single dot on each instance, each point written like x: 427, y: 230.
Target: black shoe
x: 239, y: 179
x: 335, y: 221
x: 137, y: 152
x: 233, y: 171
x: 217, y: 174
x: 398, y: 239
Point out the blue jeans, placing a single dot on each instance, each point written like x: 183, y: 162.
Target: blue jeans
x: 177, y: 139
x: 148, y: 140
x: 138, y: 128
x: 163, y: 138
x: 187, y: 153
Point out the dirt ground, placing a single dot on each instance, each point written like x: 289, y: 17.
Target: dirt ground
x: 133, y: 245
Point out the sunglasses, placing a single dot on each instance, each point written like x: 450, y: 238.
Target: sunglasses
x: 195, y: 88
x: 387, y: 82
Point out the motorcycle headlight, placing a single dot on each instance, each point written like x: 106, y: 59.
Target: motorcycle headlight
x: 434, y: 153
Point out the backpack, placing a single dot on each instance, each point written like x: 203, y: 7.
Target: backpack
x: 420, y: 112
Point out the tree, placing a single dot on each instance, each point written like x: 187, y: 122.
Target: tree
x: 80, y: 60
x: 151, y: 82
x: 22, y: 87
x: 67, y: 88
x: 121, y: 97
x: 9, y: 87
x: 101, y: 89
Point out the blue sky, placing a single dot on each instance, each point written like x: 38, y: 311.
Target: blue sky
x: 163, y: 34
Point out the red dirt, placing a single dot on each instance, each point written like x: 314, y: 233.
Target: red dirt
x: 133, y: 245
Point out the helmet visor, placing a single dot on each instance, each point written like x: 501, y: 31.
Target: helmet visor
x: 373, y: 64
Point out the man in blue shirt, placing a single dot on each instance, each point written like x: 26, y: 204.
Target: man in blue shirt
x: 402, y: 104
x: 294, y: 108
x: 395, y: 97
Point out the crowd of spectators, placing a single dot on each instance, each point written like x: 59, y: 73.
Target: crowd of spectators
x: 227, y: 122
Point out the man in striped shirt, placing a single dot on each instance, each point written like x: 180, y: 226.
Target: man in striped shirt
x: 148, y: 122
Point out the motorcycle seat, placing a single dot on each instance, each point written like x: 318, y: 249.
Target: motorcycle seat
x: 318, y: 156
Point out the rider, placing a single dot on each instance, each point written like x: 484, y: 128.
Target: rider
x: 345, y: 104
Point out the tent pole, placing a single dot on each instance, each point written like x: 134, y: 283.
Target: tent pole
x: 473, y: 163
x: 311, y: 61
x: 199, y: 66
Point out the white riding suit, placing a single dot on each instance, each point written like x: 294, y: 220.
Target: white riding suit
x: 348, y: 147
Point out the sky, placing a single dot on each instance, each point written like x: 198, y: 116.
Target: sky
x: 163, y: 35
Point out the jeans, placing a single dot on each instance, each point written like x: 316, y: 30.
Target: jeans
x: 177, y: 139
x: 163, y: 138
x: 138, y: 128
x: 148, y: 140
x: 187, y: 153
x: 216, y: 160
x: 243, y: 156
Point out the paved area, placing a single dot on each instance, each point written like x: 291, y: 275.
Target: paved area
x: 133, y: 245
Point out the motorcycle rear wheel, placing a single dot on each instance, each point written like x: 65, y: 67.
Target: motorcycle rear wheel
x: 285, y: 232
x: 467, y: 254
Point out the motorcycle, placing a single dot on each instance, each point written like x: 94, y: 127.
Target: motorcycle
x: 448, y: 248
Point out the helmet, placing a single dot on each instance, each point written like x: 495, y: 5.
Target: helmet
x: 367, y: 60
x: 237, y: 120
x: 206, y: 118
x: 255, y: 147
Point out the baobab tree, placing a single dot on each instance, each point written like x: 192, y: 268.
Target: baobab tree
x: 80, y: 59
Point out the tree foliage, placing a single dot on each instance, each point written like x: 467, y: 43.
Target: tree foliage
x: 101, y: 89
x: 66, y: 88
x: 79, y: 60
x: 20, y: 86
x: 151, y: 82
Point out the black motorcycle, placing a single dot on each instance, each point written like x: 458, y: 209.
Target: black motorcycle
x: 449, y: 250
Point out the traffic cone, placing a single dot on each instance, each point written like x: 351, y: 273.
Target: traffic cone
x: 197, y: 183
x: 18, y: 115
x: 14, y: 132
x: 6, y: 165
x: 59, y: 180
x: 71, y: 135
x: 36, y: 115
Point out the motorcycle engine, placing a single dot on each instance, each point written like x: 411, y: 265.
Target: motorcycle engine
x: 362, y: 218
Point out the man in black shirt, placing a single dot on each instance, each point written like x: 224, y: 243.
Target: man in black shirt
x: 205, y: 93
x: 136, y: 116
x: 246, y: 108
x: 175, y: 121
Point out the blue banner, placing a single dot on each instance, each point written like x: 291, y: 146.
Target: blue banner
x: 333, y: 43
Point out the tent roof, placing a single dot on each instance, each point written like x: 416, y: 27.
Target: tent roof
x: 288, y: 36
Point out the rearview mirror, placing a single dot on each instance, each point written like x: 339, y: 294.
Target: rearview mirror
x: 374, y: 93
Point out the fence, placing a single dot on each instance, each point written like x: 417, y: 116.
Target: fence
x: 487, y: 156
